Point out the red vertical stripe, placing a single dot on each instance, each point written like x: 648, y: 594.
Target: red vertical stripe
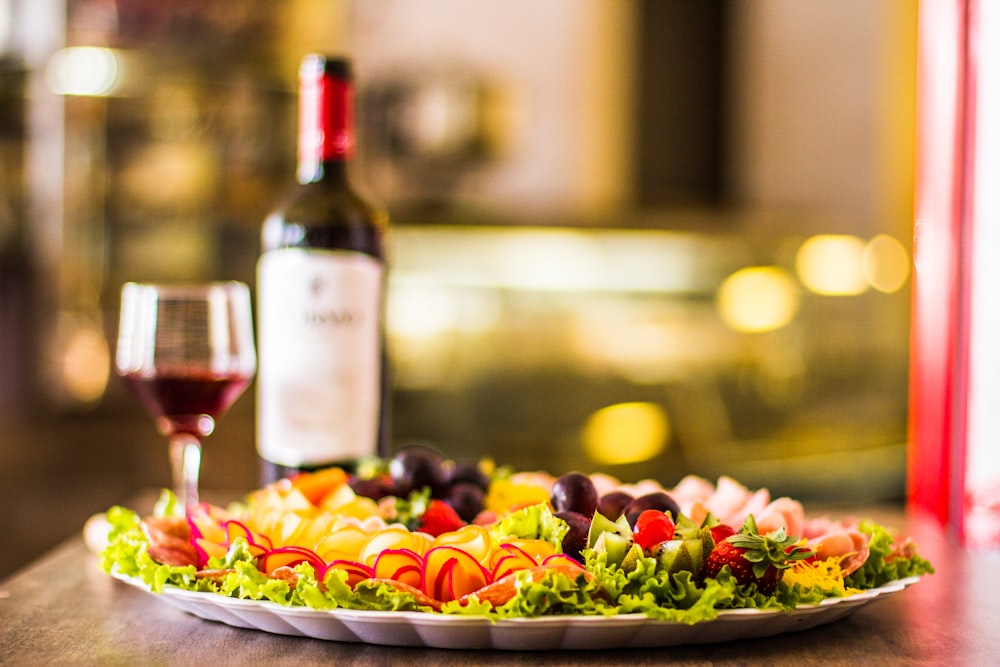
x: 939, y: 334
x: 967, y: 223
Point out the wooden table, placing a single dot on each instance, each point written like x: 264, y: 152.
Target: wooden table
x: 61, y: 610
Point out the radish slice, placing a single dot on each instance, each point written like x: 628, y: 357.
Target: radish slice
x: 288, y: 557
x: 236, y: 529
x: 563, y: 561
x: 510, y: 558
x: 206, y: 521
x: 450, y: 573
x: 401, y: 565
x: 356, y: 572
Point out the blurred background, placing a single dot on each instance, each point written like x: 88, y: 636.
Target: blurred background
x: 646, y: 238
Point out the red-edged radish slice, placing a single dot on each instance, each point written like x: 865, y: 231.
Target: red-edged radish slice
x: 206, y: 549
x: 401, y: 565
x: 450, y: 573
x: 564, y: 563
x: 207, y: 521
x: 510, y: 558
x: 258, y: 542
x: 356, y: 572
x: 288, y: 557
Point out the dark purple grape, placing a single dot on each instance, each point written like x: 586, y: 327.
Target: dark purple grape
x: 416, y: 467
x: 651, y: 501
x: 375, y: 488
x: 575, y: 539
x: 613, y: 503
x: 574, y: 492
x: 466, y: 499
x: 469, y: 471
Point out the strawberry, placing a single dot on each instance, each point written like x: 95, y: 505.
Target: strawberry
x: 753, y: 558
x: 438, y: 518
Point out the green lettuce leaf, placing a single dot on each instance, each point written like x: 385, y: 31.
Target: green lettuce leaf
x: 554, y: 593
x: 247, y: 582
x: 471, y: 607
x: 881, y: 566
x: 168, y: 505
x: 534, y: 522
x: 379, y: 596
x: 127, y: 555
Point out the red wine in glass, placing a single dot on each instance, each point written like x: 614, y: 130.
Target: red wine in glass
x: 188, y: 353
x: 187, y: 401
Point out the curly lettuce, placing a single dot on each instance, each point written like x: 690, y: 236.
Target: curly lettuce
x: 127, y: 555
x: 884, y: 564
x: 674, y: 596
x: 534, y: 522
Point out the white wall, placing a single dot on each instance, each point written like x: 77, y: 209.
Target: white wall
x: 822, y: 109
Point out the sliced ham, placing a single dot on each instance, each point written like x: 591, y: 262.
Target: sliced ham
x: 838, y: 539
x: 784, y: 513
x: 728, y: 500
x: 691, y: 489
x: 169, y: 541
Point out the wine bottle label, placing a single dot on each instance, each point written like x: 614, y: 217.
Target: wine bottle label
x: 319, y: 343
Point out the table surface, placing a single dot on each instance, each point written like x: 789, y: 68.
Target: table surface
x: 62, y: 609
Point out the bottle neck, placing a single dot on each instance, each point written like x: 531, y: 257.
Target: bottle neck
x: 328, y: 171
x: 326, y: 125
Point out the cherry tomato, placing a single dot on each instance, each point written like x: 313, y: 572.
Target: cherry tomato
x: 653, y: 527
x: 721, y: 532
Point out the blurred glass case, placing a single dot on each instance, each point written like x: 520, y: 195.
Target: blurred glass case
x: 656, y: 353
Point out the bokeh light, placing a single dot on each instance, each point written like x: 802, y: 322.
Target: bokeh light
x: 832, y: 265
x: 886, y: 264
x: 83, y: 70
x: 86, y: 361
x: 757, y: 299
x: 626, y: 433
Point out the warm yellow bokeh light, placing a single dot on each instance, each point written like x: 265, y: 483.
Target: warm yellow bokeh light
x: 626, y: 433
x: 832, y: 265
x: 757, y: 299
x: 85, y: 365
x: 886, y: 264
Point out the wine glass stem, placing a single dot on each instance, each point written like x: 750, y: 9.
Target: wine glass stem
x: 185, y: 458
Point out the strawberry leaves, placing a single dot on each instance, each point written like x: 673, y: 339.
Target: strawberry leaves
x: 757, y: 559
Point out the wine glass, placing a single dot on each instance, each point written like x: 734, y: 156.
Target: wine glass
x: 188, y: 353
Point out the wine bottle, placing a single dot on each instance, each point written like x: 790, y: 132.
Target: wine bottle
x: 321, y: 395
